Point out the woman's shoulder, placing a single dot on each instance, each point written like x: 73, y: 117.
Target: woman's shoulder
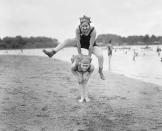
x: 93, y: 30
x: 77, y: 29
x: 92, y: 27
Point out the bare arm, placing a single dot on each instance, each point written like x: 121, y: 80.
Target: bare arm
x: 92, y: 40
x: 75, y: 72
x: 87, y: 74
x: 78, y: 41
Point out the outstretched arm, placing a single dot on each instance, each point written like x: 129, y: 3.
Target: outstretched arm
x: 87, y: 74
x: 78, y: 41
x: 77, y: 74
x: 92, y: 41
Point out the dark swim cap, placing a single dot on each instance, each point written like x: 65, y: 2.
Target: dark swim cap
x: 85, y: 19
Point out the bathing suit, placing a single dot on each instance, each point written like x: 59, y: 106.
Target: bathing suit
x: 85, y: 40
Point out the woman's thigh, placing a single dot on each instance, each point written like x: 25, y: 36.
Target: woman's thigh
x: 70, y: 42
x: 97, y: 51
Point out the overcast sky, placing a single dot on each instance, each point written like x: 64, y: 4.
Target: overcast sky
x: 59, y: 18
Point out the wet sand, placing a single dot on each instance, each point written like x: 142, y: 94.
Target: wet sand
x: 41, y: 94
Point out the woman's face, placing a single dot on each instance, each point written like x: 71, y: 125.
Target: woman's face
x: 85, y: 27
x: 84, y: 66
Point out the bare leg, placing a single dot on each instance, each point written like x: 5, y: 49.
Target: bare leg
x: 86, y: 77
x: 66, y: 43
x: 82, y: 92
x: 85, y: 88
x: 97, y: 51
x: 79, y: 76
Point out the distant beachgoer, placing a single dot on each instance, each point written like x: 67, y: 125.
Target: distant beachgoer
x: 158, y: 50
x: 135, y: 54
x: 109, y: 49
x: 21, y: 50
x: 85, y: 38
x: 82, y: 69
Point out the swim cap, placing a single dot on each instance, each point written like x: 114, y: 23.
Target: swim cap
x: 85, y: 19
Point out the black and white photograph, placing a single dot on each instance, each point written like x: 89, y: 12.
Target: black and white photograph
x: 80, y: 65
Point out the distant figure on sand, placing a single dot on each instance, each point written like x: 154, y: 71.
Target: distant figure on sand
x: 109, y: 49
x: 158, y: 50
x: 21, y: 50
x: 85, y: 38
x: 135, y: 54
x: 82, y: 69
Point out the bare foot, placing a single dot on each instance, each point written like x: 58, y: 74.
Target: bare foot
x: 49, y: 53
x: 102, y: 76
x: 81, y: 100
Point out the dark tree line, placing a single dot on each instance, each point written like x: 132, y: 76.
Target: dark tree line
x: 20, y: 42
x: 130, y: 40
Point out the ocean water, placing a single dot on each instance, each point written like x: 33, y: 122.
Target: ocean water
x: 146, y: 66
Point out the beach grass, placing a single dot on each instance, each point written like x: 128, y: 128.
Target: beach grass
x: 41, y: 94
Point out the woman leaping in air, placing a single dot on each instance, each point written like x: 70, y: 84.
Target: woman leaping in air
x: 85, y: 38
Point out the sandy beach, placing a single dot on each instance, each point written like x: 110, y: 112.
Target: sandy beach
x: 41, y: 94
